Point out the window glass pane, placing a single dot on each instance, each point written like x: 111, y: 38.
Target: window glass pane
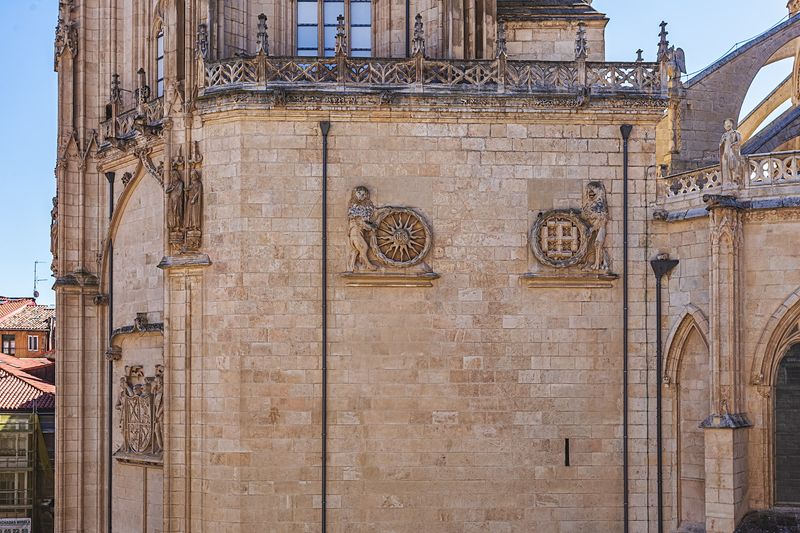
x: 160, y: 88
x: 333, y: 10
x: 160, y: 69
x: 307, y: 12
x: 360, y: 13
x: 160, y: 44
x: 307, y: 38
x: 361, y: 53
x: 330, y: 38
x: 360, y: 38
x: 307, y: 53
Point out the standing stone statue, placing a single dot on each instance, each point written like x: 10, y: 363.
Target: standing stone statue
x: 54, y: 231
x: 158, y: 410
x: 359, y: 216
x: 595, y: 213
x: 194, y: 202
x: 175, y: 202
x: 732, y: 163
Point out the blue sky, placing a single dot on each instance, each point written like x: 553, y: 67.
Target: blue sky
x: 705, y: 29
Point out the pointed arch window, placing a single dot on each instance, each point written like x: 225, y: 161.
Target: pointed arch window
x: 317, y: 21
x: 160, y: 63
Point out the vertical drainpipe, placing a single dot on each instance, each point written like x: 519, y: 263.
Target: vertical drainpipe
x: 110, y: 370
x: 626, y: 133
x: 662, y: 265
x: 408, y: 28
x: 324, y: 127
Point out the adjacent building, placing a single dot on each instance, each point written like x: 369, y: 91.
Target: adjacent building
x: 26, y: 329
x: 375, y: 266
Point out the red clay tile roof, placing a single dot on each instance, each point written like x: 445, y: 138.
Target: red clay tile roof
x: 12, y: 305
x: 24, y: 363
x: 30, y: 318
x: 19, y: 391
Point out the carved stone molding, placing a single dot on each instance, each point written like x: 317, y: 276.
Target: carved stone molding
x: 141, y: 407
x: 389, y: 279
x: 156, y: 171
x: 387, y: 245
x: 578, y: 280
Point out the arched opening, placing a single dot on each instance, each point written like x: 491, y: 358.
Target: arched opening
x: 787, y: 429
x: 692, y: 407
x: 768, y: 96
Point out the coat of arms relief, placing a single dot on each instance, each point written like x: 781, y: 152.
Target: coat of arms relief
x: 571, y: 243
x: 141, y: 412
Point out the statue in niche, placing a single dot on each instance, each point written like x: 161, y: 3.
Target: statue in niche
x: 595, y: 213
x: 141, y: 406
x: 732, y: 163
x: 194, y: 201
x: 54, y: 232
x: 175, y: 201
x: 361, y: 227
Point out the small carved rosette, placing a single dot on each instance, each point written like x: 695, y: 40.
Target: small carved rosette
x: 141, y: 407
x: 393, y: 237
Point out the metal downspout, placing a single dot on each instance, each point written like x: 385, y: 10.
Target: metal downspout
x: 662, y: 266
x: 626, y: 133
x: 324, y: 128
x: 110, y: 371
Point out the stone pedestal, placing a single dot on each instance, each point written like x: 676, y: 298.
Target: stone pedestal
x: 726, y: 476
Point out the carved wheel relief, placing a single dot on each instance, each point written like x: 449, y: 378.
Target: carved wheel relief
x: 402, y: 237
x: 395, y: 237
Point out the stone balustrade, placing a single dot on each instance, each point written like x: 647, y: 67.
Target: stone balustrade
x: 764, y: 170
x: 499, y: 75
x: 123, y: 125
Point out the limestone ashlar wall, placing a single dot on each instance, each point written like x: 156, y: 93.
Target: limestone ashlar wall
x: 553, y: 41
x: 449, y: 405
x: 138, y: 248
x: 772, y: 273
x: 686, y: 400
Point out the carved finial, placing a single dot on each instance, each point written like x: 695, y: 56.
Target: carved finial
x: 639, y: 57
x: 663, y: 44
x: 262, y: 43
x: 581, y: 43
x: 502, y: 45
x: 419, y: 36
x: 202, y: 41
x: 116, y: 90
x: 143, y: 92
x: 341, y: 37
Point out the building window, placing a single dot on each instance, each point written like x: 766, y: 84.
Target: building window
x: 160, y: 64
x: 9, y: 344
x: 317, y: 22
x: 13, y: 488
x: 33, y: 343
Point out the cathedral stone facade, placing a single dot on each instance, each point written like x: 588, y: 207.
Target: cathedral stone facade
x: 385, y: 266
